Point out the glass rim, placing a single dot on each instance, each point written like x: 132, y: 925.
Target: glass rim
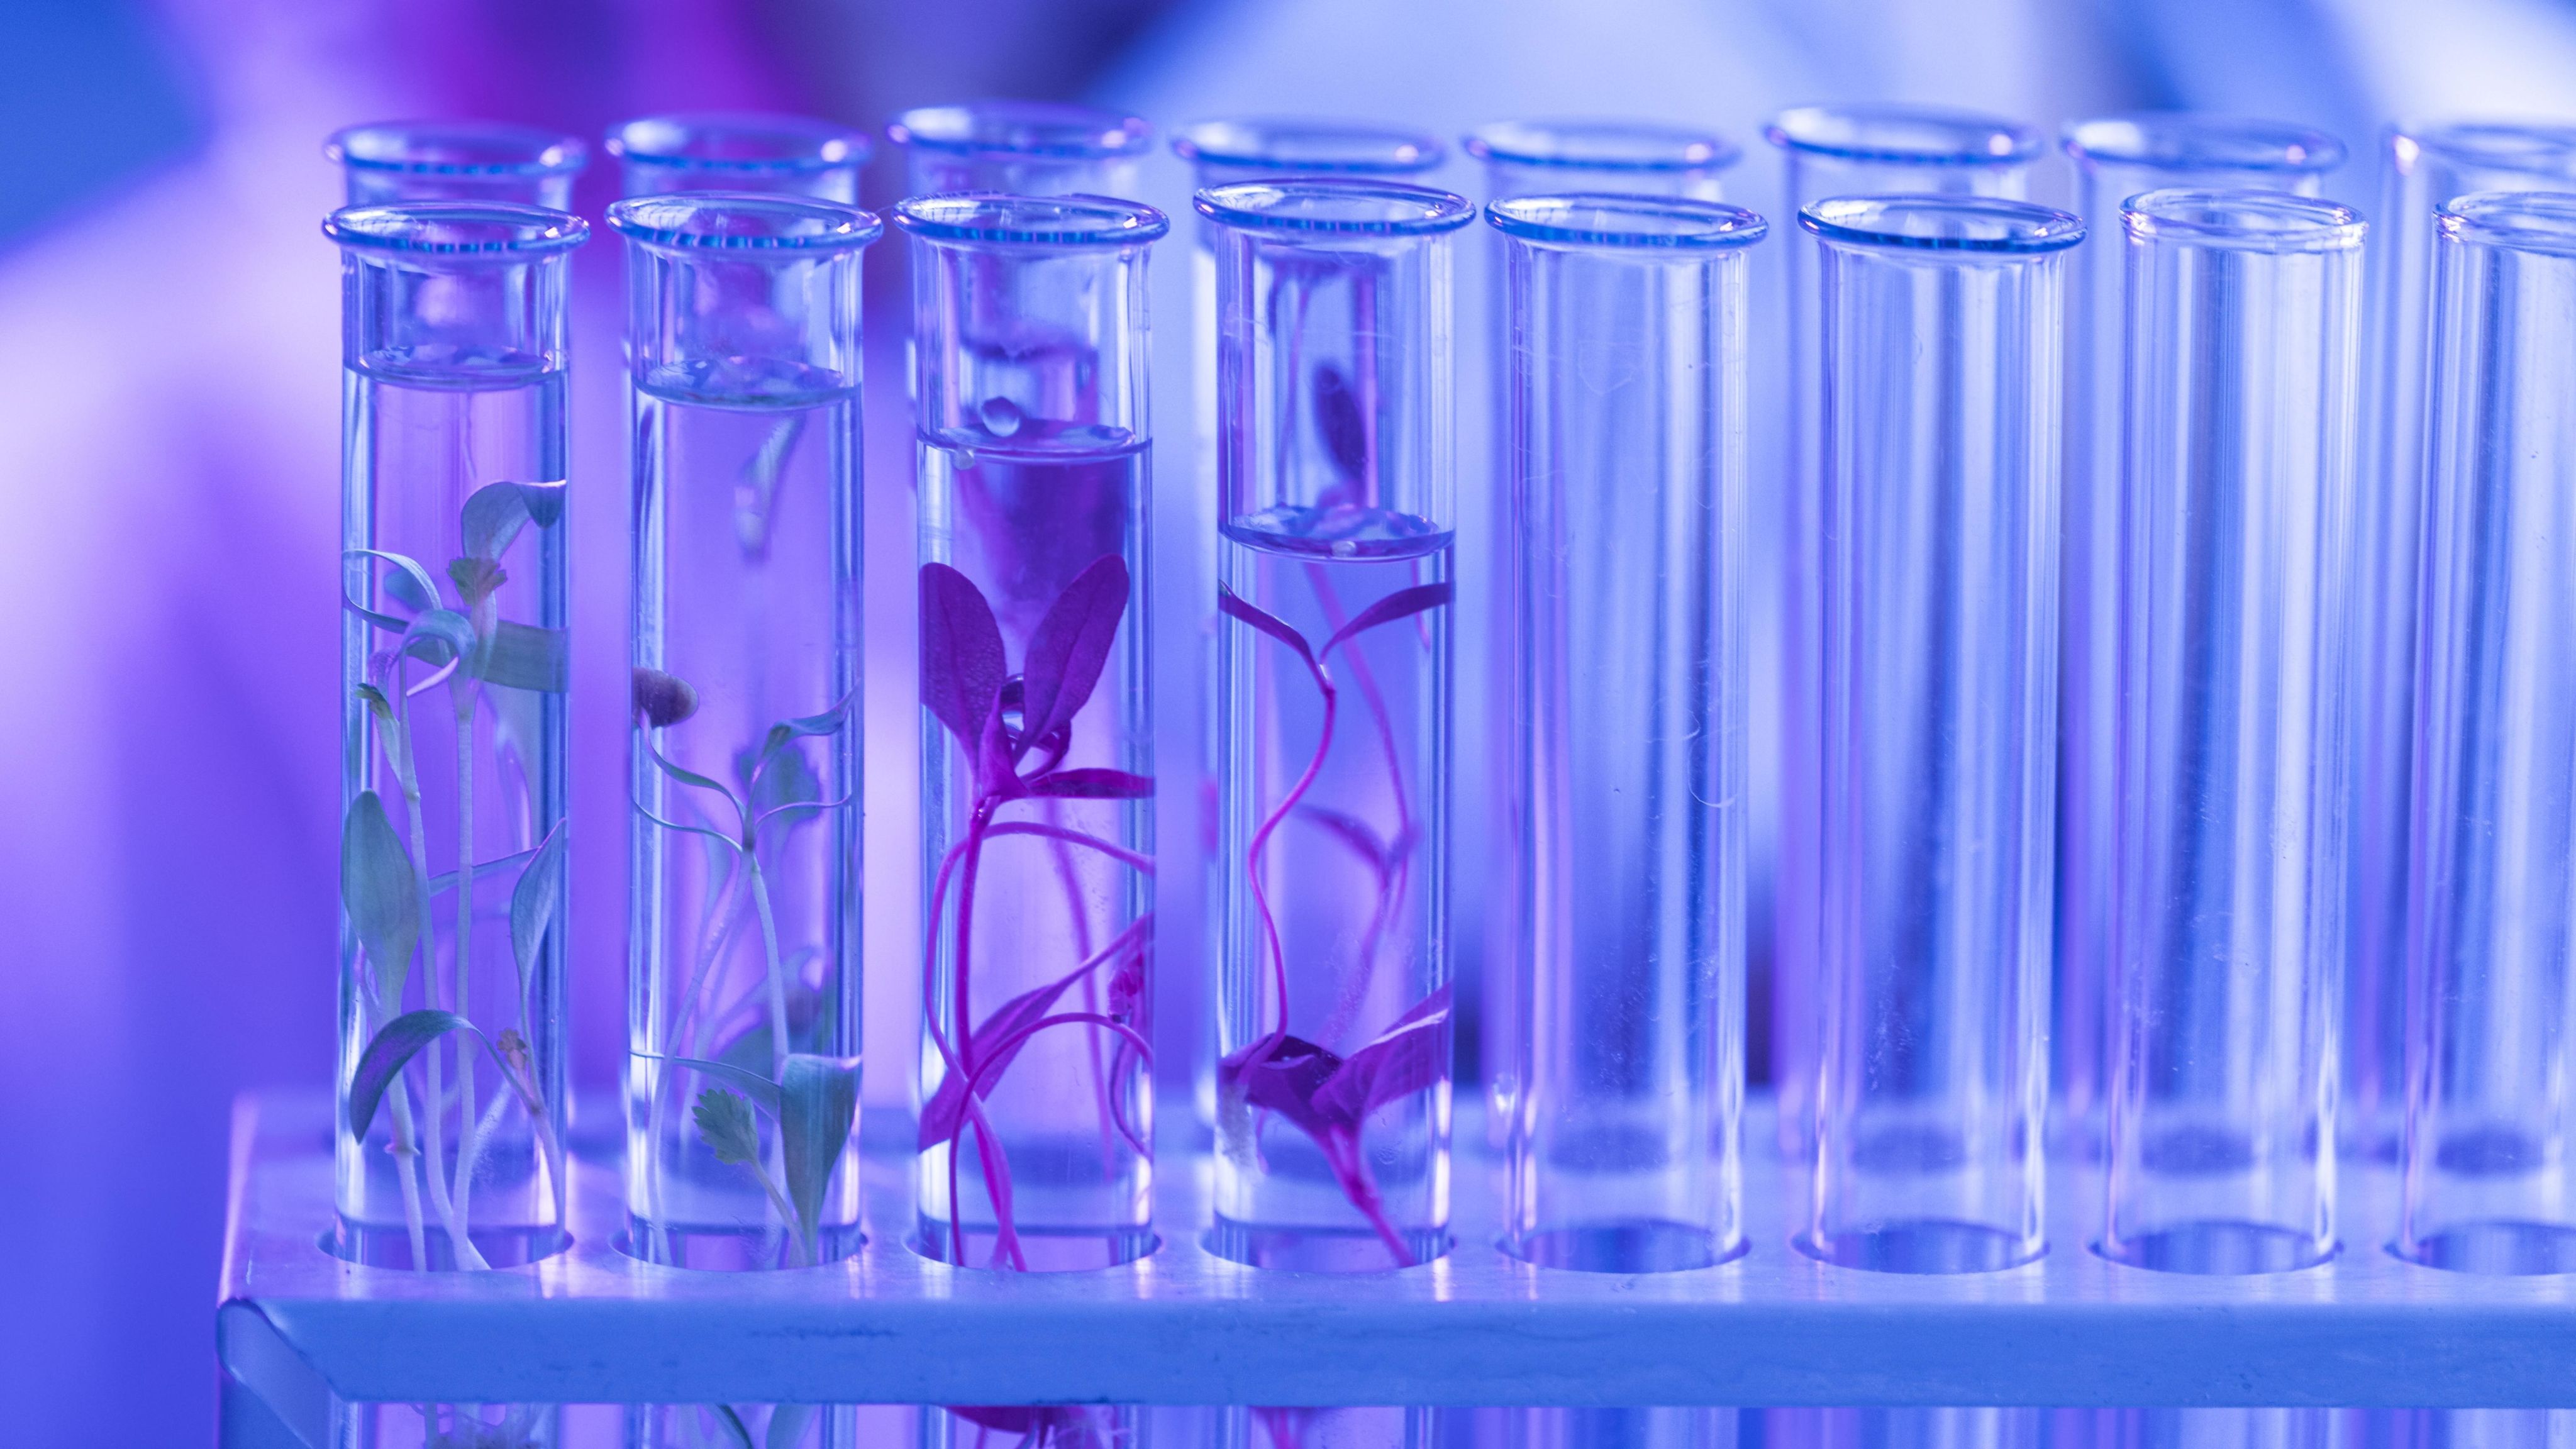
x: 1020, y: 128
x: 1658, y: 147
x: 2522, y: 221
x: 2202, y: 141
x: 769, y: 222
x: 1401, y: 210
x: 2530, y: 147
x: 1001, y: 218
x: 464, y: 230
x: 1358, y: 148
x: 796, y: 143
x: 393, y: 146
x: 1625, y: 221
x: 1888, y: 132
x: 2252, y: 221
x: 1993, y: 226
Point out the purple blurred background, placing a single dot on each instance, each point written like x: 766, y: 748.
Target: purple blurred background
x: 169, y: 426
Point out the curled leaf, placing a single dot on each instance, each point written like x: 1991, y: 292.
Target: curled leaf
x: 1404, y: 1059
x: 1283, y: 1074
x: 396, y: 1043
x: 1071, y: 645
x: 961, y: 653
x: 1403, y: 603
x: 725, y: 1123
x: 818, y: 1103
x: 491, y: 520
x: 1092, y: 784
x: 380, y: 892
x: 544, y: 501
x: 752, y: 1084
x: 535, y: 899
x: 1235, y: 606
x: 663, y: 699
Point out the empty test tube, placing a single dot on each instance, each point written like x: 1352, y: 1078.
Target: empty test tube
x: 2487, y: 1155
x: 2117, y: 157
x: 1936, y: 675
x: 1626, y: 408
x: 2424, y: 166
x: 395, y: 161
x: 1523, y: 158
x: 2236, y: 500
x: 1023, y: 148
x: 740, y: 152
x: 1828, y: 151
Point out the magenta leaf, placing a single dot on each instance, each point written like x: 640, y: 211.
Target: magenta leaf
x: 1337, y: 418
x: 1234, y: 606
x: 1405, y: 1058
x: 946, y: 1109
x: 1403, y: 603
x: 1071, y: 646
x: 961, y: 653
x: 1092, y: 784
x: 1356, y: 834
x: 1283, y: 1074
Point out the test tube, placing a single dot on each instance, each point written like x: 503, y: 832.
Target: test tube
x: 2490, y: 1178
x: 1023, y: 148
x: 740, y: 152
x: 1036, y: 1124
x: 1627, y: 508
x: 2424, y: 167
x: 742, y: 349
x: 1828, y: 151
x: 1222, y: 152
x: 1523, y: 158
x: 1334, y: 494
x: 1937, y: 679
x: 455, y: 659
x: 396, y: 161
x: 2117, y: 157
x: 2227, y: 921
x: 1646, y: 158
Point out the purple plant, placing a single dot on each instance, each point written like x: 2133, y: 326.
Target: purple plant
x: 1016, y: 731
x: 1325, y: 1096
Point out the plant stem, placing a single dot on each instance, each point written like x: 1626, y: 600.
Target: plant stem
x: 468, y: 1144
x: 433, y: 1141
x: 406, y: 1157
x: 778, y: 1042
x: 962, y: 1019
x: 1270, y: 824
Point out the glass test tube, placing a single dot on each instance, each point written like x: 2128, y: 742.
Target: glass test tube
x: 2490, y: 1179
x: 2227, y: 916
x: 741, y: 152
x: 2117, y: 157
x: 1334, y: 482
x: 1025, y: 148
x: 1828, y: 151
x: 1219, y: 153
x: 2425, y: 166
x: 1523, y: 158
x: 1627, y: 481
x: 742, y: 348
x: 391, y: 162
x: 1037, y: 746
x: 454, y: 659
x: 1938, y: 686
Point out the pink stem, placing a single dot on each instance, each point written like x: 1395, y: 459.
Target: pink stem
x: 1270, y: 824
x: 1120, y: 854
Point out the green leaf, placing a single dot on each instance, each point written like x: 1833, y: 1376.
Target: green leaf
x: 724, y: 1120
x: 491, y: 519
x: 787, y: 1421
x: 413, y: 587
x: 818, y: 1102
x: 524, y: 656
x: 829, y: 722
x: 733, y: 1421
x: 752, y: 1084
x: 380, y: 893
x: 393, y: 1047
x: 535, y: 899
x: 437, y: 637
x: 476, y: 579
x: 544, y: 501
x: 684, y: 775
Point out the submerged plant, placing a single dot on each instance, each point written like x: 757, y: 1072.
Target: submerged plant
x: 811, y: 1098
x: 1329, y: 1097
x: 385, y: 885
x: 1015, y: 731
